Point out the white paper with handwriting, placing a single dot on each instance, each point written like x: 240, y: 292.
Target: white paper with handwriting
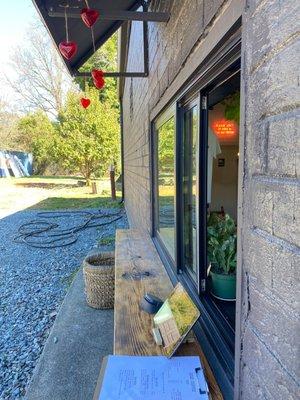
x: 153, y: 378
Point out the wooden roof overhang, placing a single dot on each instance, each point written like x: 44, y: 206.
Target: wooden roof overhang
x: 112, y: 16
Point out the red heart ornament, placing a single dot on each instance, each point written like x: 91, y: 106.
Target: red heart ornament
x: 68, y: 49
x: 89, y: 16
x: 97, y: 74
x: 98, y: 78
x: 85, y: 102
x: 99, y: 83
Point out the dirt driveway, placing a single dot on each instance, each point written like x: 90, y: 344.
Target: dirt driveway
x: 15, y: 198
x: 24, y: 193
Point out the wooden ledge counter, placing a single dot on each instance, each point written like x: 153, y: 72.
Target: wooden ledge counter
x: 138, y: 269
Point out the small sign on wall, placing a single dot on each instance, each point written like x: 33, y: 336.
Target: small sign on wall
x: 224, y: 128
x: 221, y: 162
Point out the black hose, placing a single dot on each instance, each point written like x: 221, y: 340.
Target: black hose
x: 42, y: 234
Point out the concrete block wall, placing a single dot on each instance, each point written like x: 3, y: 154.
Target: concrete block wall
x: 170, y: 45
x: 269, y: 362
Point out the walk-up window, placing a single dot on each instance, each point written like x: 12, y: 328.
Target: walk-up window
x: 222, y: 192
x: 195, y: 191
x: 203, y: 181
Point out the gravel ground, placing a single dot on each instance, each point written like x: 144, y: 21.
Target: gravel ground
x: 33, y: 283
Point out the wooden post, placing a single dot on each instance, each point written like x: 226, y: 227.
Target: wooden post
x: 94, y: 188
x: 112, y: 181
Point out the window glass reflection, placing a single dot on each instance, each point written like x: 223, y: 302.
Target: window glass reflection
x: 166, y: 184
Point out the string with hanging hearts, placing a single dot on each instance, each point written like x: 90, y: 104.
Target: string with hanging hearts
x: 89, y: 17
x: 85, y: 102
x: 67, y: 48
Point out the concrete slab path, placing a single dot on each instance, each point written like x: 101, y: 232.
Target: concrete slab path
x: 70, y: 363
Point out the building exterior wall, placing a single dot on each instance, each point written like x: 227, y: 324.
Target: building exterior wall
x: 169, y: 48
x: 270, y: 210
x: 266, y: 357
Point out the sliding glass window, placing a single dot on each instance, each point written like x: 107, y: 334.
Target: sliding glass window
x: 165, y: 142
x: 195, y: 171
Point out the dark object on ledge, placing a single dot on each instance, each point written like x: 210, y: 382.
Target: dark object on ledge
x: 150, y: 303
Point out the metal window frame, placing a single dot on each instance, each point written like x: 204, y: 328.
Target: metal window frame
x: 170, y: 112
x: 183, y: 107
x: 208, y: 329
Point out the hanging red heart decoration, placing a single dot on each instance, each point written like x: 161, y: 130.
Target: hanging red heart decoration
x: 89, y: 16
x: 85, y: 102
x: 98, y: 78
x: 99, y: 83
x: 97, y: 74
x: 68, y: 49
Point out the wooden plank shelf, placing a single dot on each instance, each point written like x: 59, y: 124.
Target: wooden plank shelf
x: 136, y: 257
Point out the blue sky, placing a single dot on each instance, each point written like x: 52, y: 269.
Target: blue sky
x: 15, y: 16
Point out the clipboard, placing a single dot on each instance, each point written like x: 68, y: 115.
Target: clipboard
x: 201, y: 391
x: 100, y: 378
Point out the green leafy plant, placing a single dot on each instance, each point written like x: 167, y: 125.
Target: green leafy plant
x: 232, y: 107
x: 67, y: 280
x: 221, y: 243
x: 107, y: 240
x: 36, y: 134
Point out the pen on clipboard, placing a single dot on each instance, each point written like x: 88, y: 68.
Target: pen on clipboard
x: 203, y: 387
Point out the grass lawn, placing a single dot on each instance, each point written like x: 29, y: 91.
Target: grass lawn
x: 63, y: 192
x: 68, y: 201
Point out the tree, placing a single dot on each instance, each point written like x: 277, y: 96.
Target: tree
x: 166, y: 147
x: 36, y: 132
x: 41, y: 79
x: 9, y: 134
x: 87, y: 139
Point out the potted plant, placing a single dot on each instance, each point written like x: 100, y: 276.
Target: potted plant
x: 221, y: 248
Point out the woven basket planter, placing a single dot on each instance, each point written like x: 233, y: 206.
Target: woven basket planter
x: 99, y: 278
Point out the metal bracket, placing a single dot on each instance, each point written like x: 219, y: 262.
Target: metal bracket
x: 118, y: 15
x: 143, y: 74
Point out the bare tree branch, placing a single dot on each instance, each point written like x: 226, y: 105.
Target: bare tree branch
x: 41, y: 80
